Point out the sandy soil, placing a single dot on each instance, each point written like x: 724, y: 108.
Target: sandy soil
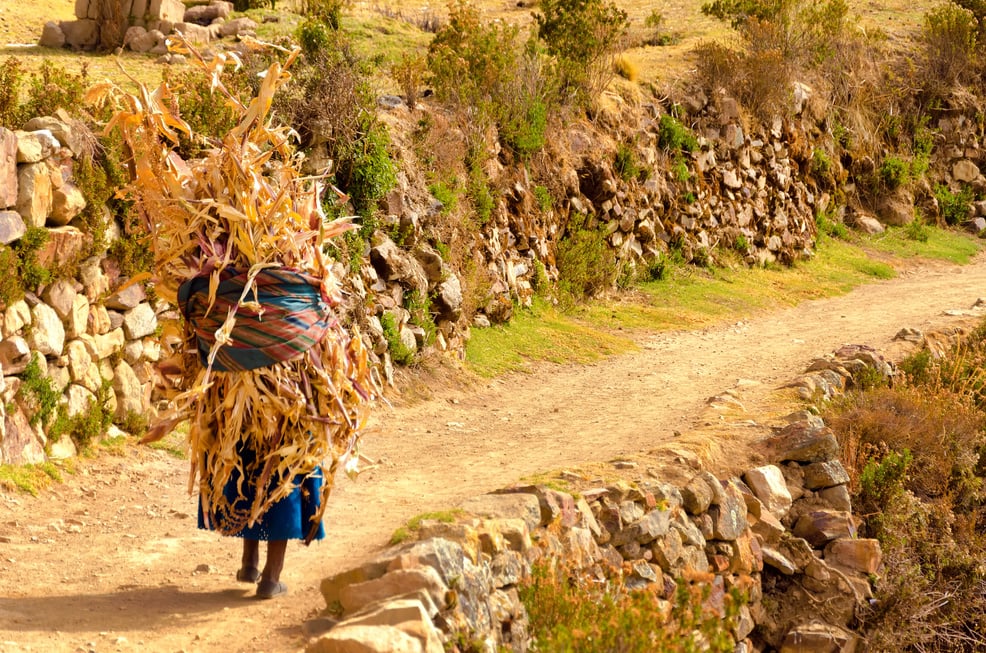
x: 111, y: 559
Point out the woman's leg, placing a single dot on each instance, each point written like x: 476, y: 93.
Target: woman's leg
x: 249, y: 565
x: 270, y: 581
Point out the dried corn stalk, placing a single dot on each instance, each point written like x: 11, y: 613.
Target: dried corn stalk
x: 246, y: 207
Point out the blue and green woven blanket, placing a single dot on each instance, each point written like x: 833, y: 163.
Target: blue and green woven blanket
x: 292, y: 316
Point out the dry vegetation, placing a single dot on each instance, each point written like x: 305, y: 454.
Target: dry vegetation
x: 916, y: 454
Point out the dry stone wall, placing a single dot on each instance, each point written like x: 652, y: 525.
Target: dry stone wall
x: 88, y: 335
x: 144, y: 25
x: 782, y: 534
x: 784, y: 530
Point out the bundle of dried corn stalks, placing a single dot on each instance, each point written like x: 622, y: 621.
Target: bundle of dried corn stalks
x: 243, y: 207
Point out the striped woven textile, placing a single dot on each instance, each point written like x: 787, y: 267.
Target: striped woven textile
x: 294, y: 317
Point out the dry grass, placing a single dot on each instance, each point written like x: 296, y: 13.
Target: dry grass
x: 663, y: 66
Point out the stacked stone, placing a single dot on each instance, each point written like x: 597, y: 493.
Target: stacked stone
x: 816, y: 568
x: 829, y: 377
x: 80, y: 331
x: 93, y: 16
x: 147, y: 23
x: 459, y: 581
x: 398, y: 275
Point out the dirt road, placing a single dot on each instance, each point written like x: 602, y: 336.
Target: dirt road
x: 111, y: 560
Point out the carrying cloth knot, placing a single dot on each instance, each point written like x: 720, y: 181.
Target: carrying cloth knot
x: 291, y: 318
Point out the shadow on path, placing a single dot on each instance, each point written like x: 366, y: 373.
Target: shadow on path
x: 130, y: 608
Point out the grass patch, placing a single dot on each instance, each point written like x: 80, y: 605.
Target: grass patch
x: 404, y: 533
x: 541, y: 333
x: 30, y: 478
x: 690, y: 297
x: 175, y: 443
x: 686, y: 298
x: 941, y: 244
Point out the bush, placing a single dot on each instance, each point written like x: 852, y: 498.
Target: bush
x: 11, y: 79
x: 954, y: 207
x: 32, y: 275
x: 24, y: 96
x: 949, y: 38
x: 625, y: 163
x: 399, y: 352
x: 894, y: 172
x: 409, y: 74
x: 478, y: 67
x: 799, y: 30
x: 586, y: 265
x: 915, y: 455
x: 39, y: 393
x: 917, y: 230
x: 675, y: 137
x: 327, y: 12
x: 369, y: 173
x: 583, y: 36
x: 655, y: 22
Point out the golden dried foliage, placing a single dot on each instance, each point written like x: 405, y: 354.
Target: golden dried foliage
x: 243, y: 206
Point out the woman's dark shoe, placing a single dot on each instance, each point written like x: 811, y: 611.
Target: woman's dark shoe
x: 268, y: 589
x: 248, y: 575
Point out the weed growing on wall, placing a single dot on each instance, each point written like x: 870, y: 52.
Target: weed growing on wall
x: 675, y: 137
x: 39, y: 393
x: 399, y: 352
x: 954, y: 206
x: 586, y: 264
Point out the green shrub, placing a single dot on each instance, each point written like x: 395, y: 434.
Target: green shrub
x: 370, y: 173
x: 409, y: 74
x: 821, y: 164
x: 203, y: 108
x: 399, y: 352
x: 524, y: 130
x: 826, y: 226
x: 419, y: 306
x: 954, y: 207
x: 314, y: 37
x: 655, y: 23
x: 446, y: 194
x: 917, y: 230
x: 949, y: 37
x: 32, y: 275
x: 583, y: 36
x: 894, y: 172
x: 675, y: 137
x: 586, y: 264
x: 52, y: 87
x: 481, y: 196
x: 625, y: 163
x: 328, y: 12
x: 543, y: 197
x: 39, y: 393
x: 478, y: 66
x: 679, y: 169
x: 11, y: 288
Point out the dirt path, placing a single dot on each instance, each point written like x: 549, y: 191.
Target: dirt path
x: 111, y: 560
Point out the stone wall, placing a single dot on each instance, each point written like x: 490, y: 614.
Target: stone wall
x: 783, y: 530
x: 84, y: 331
x: 143, y: 25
